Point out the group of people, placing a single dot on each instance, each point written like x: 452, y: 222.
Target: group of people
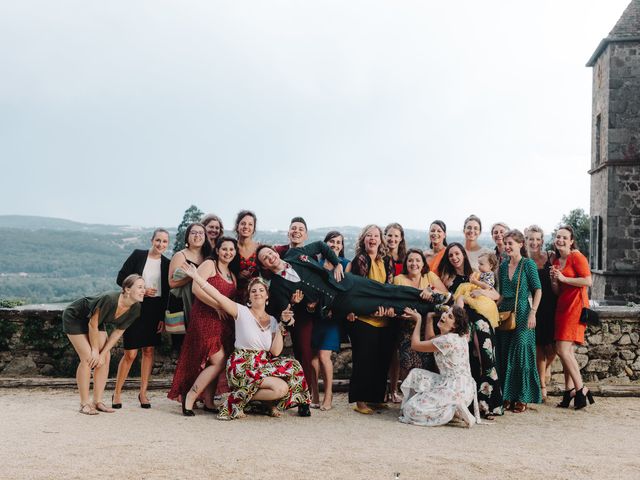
x: 467, y: 331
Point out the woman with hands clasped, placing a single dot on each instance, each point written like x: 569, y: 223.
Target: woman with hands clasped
x: 254, y: 370
x: 570, y: 277
x: 432, y: 399
x: 84, y: 323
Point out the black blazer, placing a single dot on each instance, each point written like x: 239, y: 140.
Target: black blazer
x: 135, y: 264
x: 316, y: 282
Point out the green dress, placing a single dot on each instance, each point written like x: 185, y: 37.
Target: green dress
x: 516, y: 349
x: 75, y: 318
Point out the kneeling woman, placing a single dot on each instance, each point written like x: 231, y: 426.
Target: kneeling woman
x: 254, y: 371
x: 432, y: 399
x: 84, y: 323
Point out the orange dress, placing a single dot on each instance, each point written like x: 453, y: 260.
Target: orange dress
x: 571, y: 299
x: 435, y: 261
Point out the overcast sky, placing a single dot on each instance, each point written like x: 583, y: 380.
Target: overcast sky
x: 345, y: 112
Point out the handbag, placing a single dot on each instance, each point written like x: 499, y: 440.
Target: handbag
x: 588, y: 316
x: 507, y: 320
x: 174, y: 316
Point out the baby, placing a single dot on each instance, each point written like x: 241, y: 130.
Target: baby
x: 485, y: 280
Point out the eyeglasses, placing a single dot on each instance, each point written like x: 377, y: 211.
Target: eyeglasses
x: 197, y: 234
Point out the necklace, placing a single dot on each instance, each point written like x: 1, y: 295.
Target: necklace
x: 260, y: 326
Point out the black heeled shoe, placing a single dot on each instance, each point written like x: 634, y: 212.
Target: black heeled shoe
x: 186, y: 412
x: 210, y: 410
x: 115, y: 405
x: 143, y: 405
x: 566, y: 399
x: 581, y: 399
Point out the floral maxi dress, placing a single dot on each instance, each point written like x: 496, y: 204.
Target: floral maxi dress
x: 432, y: 399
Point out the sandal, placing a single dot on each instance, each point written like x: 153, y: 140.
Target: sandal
x: 364, y: 410
x: 101, y: 407
x: 274, y: 412
x: 325, y: 408
x: 314, y: 405
x: 543, y: 391
x: 378, y: 406
x: 489, y: 417
x: 396, y: 397
x: 87, y: 409
x: 519, y: 407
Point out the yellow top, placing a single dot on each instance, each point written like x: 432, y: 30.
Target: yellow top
x: 425, y: 281
x: 379, y: 274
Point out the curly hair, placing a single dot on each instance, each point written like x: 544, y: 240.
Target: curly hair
x: 360, y: 248
x: 461, y: 326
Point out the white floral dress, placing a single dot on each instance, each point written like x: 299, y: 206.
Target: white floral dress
x: 432, y: 399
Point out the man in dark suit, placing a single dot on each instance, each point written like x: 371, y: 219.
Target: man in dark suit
x: 334, y: 290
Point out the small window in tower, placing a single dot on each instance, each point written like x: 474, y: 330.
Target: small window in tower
x: 597, y: 145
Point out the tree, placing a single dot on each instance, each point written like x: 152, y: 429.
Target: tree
x: 581, y: 224
x: 191, y: 215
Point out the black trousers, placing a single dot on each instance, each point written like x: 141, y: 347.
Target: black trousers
x: 371, y: 349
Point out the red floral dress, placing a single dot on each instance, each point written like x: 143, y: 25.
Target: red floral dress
x: 207, y: 333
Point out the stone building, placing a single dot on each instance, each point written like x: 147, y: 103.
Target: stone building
x: 615, y: 161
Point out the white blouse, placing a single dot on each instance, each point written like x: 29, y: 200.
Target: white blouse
x: 249, y: 336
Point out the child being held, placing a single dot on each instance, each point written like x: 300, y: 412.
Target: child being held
x: 485, y: 280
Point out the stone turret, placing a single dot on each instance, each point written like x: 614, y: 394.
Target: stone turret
x: 615, y: 161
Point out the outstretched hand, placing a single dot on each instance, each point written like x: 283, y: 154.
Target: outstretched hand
x: 189, y: 269
x: 411, y: 313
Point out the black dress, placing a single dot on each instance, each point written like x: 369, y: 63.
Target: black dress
x: 545, y: 316
x: 143, y: 332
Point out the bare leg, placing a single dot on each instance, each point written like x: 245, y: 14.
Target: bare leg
x: 394, y: 376
x: 324, y: 357
x: 210, y: 373
x: 100, y: 374
x: 146, y: 368
x: 569, y: 364
x: 83, y: 372
x: 541, y: 364
x: 123, y: 372
x: 550, y: 354
x: 272, y: 388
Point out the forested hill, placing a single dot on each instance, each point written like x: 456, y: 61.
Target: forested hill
x: 45, y: 260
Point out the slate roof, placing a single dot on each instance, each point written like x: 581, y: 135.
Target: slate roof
x: 627, y: 29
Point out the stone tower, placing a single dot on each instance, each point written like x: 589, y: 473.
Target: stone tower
x: 615, y: 161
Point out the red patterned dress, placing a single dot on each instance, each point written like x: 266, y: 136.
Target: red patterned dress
x: 207, y: 333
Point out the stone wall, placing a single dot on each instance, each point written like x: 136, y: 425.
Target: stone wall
x: 32, y: 344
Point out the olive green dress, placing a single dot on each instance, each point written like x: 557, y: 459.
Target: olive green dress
x: 516, y: 349
x: 75, y: 318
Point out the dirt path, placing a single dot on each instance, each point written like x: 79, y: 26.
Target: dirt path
x: 42, y: 437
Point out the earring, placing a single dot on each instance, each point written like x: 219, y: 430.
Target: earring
x: 267, y: 302
x: 249, y: 303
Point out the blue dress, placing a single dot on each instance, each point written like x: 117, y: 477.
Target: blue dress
x: 326, y: 331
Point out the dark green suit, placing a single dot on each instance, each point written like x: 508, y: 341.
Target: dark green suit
x: 353, y: 294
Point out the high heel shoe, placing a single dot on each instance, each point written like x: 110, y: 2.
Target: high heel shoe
x: 582, y: 398
x: 566, y: 399
x: 187, y: 412
x: 115, y: 405
x: 143, y: 405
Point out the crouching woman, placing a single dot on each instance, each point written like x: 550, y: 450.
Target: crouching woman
x: 430, y: 398
x: 254, y: 370
x: 84, y: 323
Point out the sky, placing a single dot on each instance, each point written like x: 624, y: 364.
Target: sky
x: 344, y: 112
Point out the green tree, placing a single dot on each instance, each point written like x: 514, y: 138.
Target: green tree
x: 581, y: 224
x: 191, y: 214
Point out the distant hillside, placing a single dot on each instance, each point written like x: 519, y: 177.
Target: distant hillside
x: 45, y: 259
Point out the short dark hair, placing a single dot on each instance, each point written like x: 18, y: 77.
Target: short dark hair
x: 445, y: 267
x: 298, y: 220
x: 234, y: 265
